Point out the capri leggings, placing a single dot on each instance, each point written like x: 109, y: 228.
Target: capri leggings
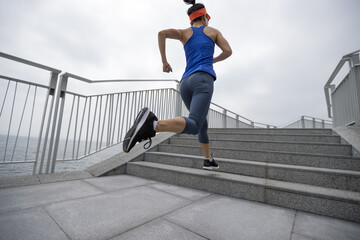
x: 196, y: 91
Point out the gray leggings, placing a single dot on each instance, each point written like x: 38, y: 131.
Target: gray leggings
x: 196, y: 91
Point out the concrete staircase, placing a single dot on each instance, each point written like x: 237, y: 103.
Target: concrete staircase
x: 302, y: 169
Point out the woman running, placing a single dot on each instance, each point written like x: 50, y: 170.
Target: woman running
x: 196, y: 85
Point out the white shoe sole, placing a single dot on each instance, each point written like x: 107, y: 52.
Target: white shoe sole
x: 210, y: 168
x: 140, y: 124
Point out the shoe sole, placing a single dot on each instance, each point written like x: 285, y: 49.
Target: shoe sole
x: 139, y: 125
x: 210, y: 168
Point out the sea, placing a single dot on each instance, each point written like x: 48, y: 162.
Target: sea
x: 20, y: 162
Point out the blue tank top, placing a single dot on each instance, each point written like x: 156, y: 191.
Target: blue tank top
x: 199, y: 51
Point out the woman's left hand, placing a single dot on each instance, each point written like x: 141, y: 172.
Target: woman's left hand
x: 166, y: 67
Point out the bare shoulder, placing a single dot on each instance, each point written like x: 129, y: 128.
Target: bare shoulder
x: 211, y: 32
x: 185, y: 34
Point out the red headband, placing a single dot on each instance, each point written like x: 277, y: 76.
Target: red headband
x: 199, y: 13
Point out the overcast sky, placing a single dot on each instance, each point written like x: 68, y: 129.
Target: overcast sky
x: 284, y: 51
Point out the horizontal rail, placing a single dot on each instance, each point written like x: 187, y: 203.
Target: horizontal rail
x: 304, y: 121
x: 70, y: 75
x: 30, y: 63
x: 23, y: 81
x: 329, y: 86
x: 251, y: 122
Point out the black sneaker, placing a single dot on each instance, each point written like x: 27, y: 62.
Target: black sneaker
x: 210, y: 165
x: 141, y: 130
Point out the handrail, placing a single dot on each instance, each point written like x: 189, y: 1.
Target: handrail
x: 22, y: 81
x: 304, y: 118
x: 328, y: 86
x: 70, y: 75
x: 30, y: 63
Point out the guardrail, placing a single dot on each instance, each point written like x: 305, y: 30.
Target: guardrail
x: 308, y: 122
x: 46, y: 123
x: 343, y: 101
x: 43, y: 97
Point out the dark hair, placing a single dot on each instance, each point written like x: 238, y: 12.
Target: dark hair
x: 193, y: 8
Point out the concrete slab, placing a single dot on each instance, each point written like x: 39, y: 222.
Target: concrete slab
x: 159, y: 229
x: 29, y: 224
x: 117, y: 164
x: 107, y: 215
x: 299, y: 237
x: 114, y: 183
x: 36, y: 195
x: 7, y: 182
x: 188, y: 193
x: 220, y: 217
x: 320, y: 227
x: 64, y: 176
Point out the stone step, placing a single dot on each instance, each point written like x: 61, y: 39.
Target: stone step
x: 293, y: 131
x: 324, y: 201
x: 317, y: 148
x: 289, y: 158
x: 330, y: 178
x: 273, y: 137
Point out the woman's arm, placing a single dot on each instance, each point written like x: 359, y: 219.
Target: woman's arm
x: 169, y: 33
x: 224, y: 46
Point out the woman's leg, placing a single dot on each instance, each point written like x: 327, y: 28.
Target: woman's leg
x: 206, y: 149
x: 196, y: 92
x: 176, y: 125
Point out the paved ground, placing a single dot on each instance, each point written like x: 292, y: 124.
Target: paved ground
x: 126, y: 207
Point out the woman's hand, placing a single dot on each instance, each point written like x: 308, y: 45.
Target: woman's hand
x: 162, y: 36
x: 166, y: 67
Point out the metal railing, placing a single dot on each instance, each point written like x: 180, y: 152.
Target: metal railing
x: 343, y: 101
x: 39, y: 102
x: 308, y: 122
x: 41, y: 124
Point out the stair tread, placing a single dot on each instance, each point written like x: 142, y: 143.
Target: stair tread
x: 272, y: 130
x: 267, y: 141
x: 267, y: 151
x: 265, y: 164
x: 276, y: 134
x: 329, y: 193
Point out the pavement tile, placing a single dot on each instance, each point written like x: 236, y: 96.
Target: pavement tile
x: 114, y: 183
x: 36, y: 195
x: 107, y: 215
x: 29, y: 224
x: 295, y: 236
x: 188, y: 193
x: 159, y: 229
x: 220, y: 217
x: 321, y: 227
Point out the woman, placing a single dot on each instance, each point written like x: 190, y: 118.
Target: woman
x: 196, y: 86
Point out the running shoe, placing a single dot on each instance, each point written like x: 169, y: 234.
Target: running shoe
x: 142, y: 129
x: 210, y: 165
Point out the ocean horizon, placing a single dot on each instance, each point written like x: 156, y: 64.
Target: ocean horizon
x: 21, y: 161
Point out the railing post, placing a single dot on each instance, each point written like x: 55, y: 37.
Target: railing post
x: 302, y: 122
x: 51, y: 92
x: 60, y: 94
x: 313, y: 123
x: 237, y: 121
x: 178, y: 101
x: 356, y: 69
x: 252, y: 124
x: 224, y: 119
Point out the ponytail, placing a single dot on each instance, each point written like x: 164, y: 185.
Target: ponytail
x: 189, y: 2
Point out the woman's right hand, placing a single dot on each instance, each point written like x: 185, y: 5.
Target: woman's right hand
x: 166, y: 67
